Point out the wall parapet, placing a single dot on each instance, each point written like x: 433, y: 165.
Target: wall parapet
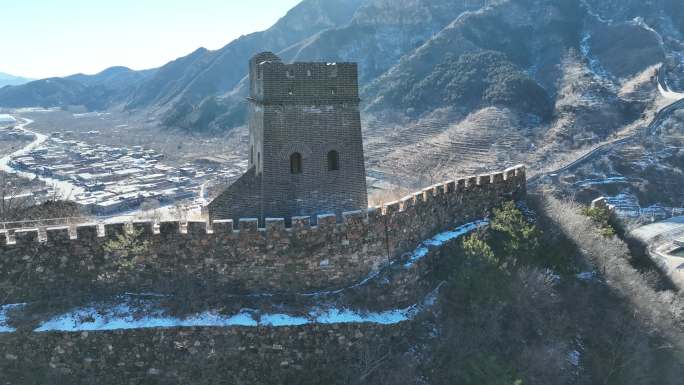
x: 228, y: 226
x: 243, y: 256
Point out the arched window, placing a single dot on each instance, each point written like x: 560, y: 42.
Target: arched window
x: 296, y: 163
x: 333, y: 161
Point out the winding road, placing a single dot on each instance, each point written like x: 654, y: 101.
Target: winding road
x: 660, y: 117
x: 39, y: 139
x: 65, y: 189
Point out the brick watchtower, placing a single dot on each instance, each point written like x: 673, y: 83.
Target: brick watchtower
x: 305, y: 145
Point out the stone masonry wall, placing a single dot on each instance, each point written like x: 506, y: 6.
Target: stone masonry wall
x: 217, y: 257
x: 312, y: 354
x: 313, y: 131
x: 240, y: 200
x: 311, y: 109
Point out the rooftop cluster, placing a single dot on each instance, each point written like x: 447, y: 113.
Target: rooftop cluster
x: 109, y: 180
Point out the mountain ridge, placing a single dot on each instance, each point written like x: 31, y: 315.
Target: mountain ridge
x: 12, y: 80
x: 400, y: 45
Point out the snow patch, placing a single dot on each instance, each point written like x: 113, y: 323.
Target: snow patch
x: 4, y: 328
x: 604, y: 181
x: 574, y: 358
x: 124, y: 317
x: 146, y: 314
x: 669, y: 94
x: 419, y: 253
x: 586, y: 275
x: 442, y: 238
x: 341, y: 316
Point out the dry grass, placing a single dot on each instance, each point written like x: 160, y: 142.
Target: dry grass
x: 382, y: 197
x: 663, y: 311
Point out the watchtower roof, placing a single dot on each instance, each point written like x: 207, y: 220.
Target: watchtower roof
x: 264, y: 57
x: 303, y: 83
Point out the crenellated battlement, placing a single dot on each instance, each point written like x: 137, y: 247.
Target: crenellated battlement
x: 308, y: 255
x: 314, y: 83
x: 249, y: 226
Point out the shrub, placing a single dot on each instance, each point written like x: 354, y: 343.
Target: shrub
x: 127, y: 250
x: 517, y: 238
x: 602, y: 218
x: 476, y: 80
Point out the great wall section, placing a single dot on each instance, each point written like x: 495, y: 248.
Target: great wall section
x: 329, y: 262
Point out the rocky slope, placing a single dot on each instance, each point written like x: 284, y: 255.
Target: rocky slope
x: 187, y: 80
x: 472, y: 55
x: 377, y: 36
x: 96, y: 92
x: 559, y: 65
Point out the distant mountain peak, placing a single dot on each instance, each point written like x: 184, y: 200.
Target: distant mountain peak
x: 12, y: 80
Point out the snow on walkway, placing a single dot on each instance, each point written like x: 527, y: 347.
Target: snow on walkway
x: 123, y: 316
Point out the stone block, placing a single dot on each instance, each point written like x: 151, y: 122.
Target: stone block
x: 471, y: 182
x: 275, y: 224
x: 326, y: 220
x: 407, y: 202
x: 497, y: 178
x: 438, y: 189
x: 484, y: 180
x: 509, y: 173
x: 72, y: 232
x: 391, y: 208
x: 42, y: 235
x: 248, y: 225
x: 428, y: 193
x: 25, y: 237
x: 113, y: 230
x: 222, y: 227
x: 419, y: 198
x: 57, y: 234
x: 352, y: 218
x: 301, y: 223
x: 86, y: 232
x: 375, y: 216
x: 170, y: 229
x: 461, y: 184
x: 520, y: 171
x: 197, y: 228
x: 145, y: 228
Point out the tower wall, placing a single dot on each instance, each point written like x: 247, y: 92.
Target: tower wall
x: 305, y: 108
x: 313, y: 131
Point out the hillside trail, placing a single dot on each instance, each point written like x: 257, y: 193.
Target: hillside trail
x: 676, y: 102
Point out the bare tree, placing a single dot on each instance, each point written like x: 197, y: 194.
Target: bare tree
x: 659, y: 310
x: 11, y: 200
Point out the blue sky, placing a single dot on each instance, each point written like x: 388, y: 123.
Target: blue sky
x: 42, y: 38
